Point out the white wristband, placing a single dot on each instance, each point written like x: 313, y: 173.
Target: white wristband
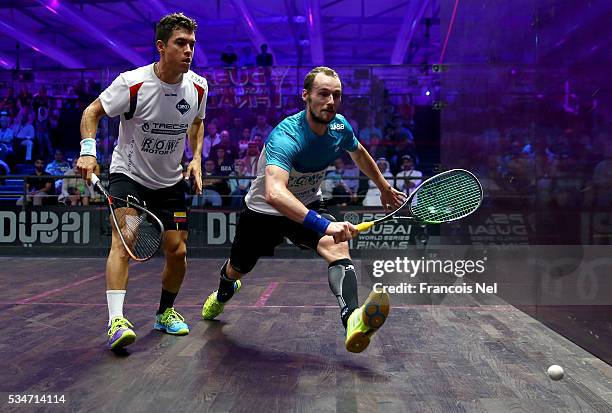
x: 88, y: 147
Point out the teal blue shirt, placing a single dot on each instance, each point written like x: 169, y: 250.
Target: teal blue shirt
x: 292, y: 144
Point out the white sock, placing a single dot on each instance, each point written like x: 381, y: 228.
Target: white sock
x: 114, y: 299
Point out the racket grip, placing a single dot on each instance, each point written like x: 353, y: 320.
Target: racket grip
x: 364, y: 226
x: 94, y: 179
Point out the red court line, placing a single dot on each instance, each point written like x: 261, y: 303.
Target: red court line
x: 303, y: 282
x: 266, y: 294
x: 67, y: 286
x: 59, y: 289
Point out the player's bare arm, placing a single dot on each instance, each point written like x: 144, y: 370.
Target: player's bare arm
x: 391, y: 198
x: 196, y: 137
x: 279, y: 196
x: 89, y: 127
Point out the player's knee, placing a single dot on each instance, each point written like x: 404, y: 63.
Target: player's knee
x: 176, y: 251
x: 331, y: 251
x: 118, y: 251
x: 236, y: 269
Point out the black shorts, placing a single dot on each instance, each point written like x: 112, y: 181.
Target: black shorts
x: 258, y: 235
x: 168, y: 204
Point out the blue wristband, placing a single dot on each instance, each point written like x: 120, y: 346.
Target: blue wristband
x: 316, y: 222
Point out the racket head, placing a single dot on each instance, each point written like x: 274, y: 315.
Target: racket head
x: 141, y: 232
x: 446, y: 197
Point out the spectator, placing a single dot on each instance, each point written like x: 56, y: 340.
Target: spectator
x: 262, y: 128
x: 351, y: 175
x: 372, y: 197
x: 42, y: 142
x: 41, y: 99
x: 236, y: 129
x: 398, y: 133
x: 348, y: 115
x: 243, y: 143
x: 210, y: 140
x: 24, y: 133
x: 58, y: 167
x: 246, y: 58
x: 404, y: 180
x: 264, y: 58
x: 259, y: 141
x: 377, y: 149
x: 334, y: 188
x: 369, y: 130
x: 6, y: 135
x: 74, y: 191
x: 9, y: 102
x: 228, y: 57
x: 211, y: 187
x: 251, y: 158
x: 24, y: 99
x: 231, y: 151
x: 224, y: 162
x: 293, y: 104
x: 238, y: 187
x: 39, y: 189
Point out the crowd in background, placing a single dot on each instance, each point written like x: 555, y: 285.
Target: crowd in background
x: 565, y: 164
x: 39, y: 129
x: 564, y: 161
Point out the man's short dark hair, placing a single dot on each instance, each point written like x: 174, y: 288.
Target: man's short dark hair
x: 309, y: 79
x: 171, y: 22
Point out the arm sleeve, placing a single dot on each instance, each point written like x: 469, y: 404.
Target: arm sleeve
x: 202, y: 111
x: 281, y: 149
x: 349, y: 141
x: 115, y: 99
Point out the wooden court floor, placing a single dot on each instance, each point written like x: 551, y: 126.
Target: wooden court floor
x: 278, y: 347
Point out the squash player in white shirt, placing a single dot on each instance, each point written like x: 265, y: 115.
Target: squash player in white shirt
x: 161, y: 105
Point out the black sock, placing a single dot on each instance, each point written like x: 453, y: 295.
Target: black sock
x: 226, y: 286
x: 343, y: 283
x: 166, y: 301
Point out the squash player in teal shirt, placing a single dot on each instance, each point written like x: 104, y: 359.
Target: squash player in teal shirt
x: 285, y: 201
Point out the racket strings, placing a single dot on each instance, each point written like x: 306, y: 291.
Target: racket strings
x: 447, y: 197
x: 141, y: 236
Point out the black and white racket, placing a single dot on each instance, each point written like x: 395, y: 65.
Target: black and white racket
x: 141, y: 232
x: 445, y: 197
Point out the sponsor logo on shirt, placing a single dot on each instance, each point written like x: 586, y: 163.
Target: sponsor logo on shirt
x: 336, y: 126
x: 183, y: 106
x: 159, y: 146
x: 304, y: 186
x: 165, y: 128
x: 305, y: 180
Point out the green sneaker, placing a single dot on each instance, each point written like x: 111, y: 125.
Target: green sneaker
x: 365, y: 321
x: 171, y: 322
x: 120, y: 333
x: 212, y: 307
